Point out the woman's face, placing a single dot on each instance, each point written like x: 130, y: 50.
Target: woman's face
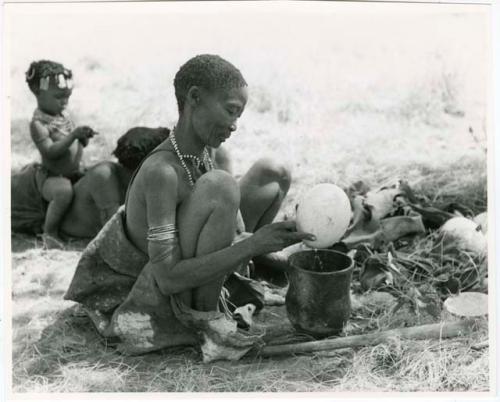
x: 216, y: 114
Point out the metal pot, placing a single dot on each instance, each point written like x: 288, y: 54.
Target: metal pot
x: 318, y: 299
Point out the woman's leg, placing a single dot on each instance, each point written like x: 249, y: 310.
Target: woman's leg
x: 263, y: 189
x: 207, y: 223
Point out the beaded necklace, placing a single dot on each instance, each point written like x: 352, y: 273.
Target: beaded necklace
x: 205, y: 160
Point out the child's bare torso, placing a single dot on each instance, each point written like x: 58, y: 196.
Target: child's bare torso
x: 59, y: 127
x: 69, y: 164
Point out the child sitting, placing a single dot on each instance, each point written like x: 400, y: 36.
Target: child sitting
x: 59, y: 142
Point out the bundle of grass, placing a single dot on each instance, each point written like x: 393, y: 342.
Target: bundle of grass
x: 462, y: 183
x: 420, y: 275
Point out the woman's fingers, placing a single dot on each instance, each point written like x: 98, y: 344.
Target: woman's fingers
x: 298, y: 236
x: 276, y: 236
x: 292, y: 233
x: 288, y: 225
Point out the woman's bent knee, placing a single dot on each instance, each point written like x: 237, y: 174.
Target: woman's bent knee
x: 220, y: 186
x: 270, y: 170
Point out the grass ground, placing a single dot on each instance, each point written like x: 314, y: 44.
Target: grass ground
x: 359, y: 117
x: 55, y: 350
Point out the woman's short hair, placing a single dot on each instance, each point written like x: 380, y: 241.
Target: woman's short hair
x: 206, y: 71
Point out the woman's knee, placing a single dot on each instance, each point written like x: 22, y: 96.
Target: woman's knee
x: 218, y: 185
x: 269, y: 170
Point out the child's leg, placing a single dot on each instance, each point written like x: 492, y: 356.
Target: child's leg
x: 59, y: 194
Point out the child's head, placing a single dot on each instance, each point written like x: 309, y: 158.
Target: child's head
x: 51, y: 83
x: 133, y: 146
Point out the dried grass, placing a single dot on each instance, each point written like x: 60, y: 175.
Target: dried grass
x: 58, y: 351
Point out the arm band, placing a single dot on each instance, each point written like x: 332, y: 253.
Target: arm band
x: 162, y: 233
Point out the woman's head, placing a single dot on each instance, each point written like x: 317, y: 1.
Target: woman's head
x: 51, y: 83
x: 211, y: 94
x: 133, y: 146
x: 206, y: 71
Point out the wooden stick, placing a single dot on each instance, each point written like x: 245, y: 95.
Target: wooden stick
x: 480, y: 345
x: 430, y: 331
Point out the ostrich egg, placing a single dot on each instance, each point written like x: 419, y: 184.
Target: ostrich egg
x: 324, y: 211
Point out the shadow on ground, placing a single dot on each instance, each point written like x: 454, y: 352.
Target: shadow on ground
x: 23, y: 242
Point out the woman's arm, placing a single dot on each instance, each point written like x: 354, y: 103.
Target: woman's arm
x: 174, y: 275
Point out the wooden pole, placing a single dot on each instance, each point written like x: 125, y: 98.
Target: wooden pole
x: 430, y: 331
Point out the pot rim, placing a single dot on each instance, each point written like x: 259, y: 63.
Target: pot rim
x: 342, y: 271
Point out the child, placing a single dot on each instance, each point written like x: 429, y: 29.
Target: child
x: 59, y: 142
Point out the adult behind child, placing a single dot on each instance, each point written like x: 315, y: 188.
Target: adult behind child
x: 57, y: 139
x: 163, y: 260
x: 99, y: 194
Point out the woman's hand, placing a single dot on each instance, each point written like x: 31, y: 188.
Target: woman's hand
x: 276, y: 236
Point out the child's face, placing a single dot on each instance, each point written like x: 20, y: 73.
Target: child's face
x: 53, y: 100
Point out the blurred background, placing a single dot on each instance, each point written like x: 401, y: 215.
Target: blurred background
x: 338, y: 91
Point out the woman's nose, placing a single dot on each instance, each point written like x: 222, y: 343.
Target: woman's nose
x: 233, y: 126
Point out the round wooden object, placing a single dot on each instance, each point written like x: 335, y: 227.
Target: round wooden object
x: 466, y: 305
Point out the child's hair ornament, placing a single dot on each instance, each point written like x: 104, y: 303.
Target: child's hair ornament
x: 44, y: 83
x: 30, y: 74
x: 62, y: 80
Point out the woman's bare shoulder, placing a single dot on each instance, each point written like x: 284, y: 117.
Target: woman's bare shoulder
x: 159, y: 169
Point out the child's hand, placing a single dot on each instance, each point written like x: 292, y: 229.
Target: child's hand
x: 83, y: 134
x: 83, y: 141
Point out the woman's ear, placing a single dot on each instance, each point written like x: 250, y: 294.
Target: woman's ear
x: 193, y: 96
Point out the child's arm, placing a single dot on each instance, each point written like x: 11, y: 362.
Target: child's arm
x: 55, y: 149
